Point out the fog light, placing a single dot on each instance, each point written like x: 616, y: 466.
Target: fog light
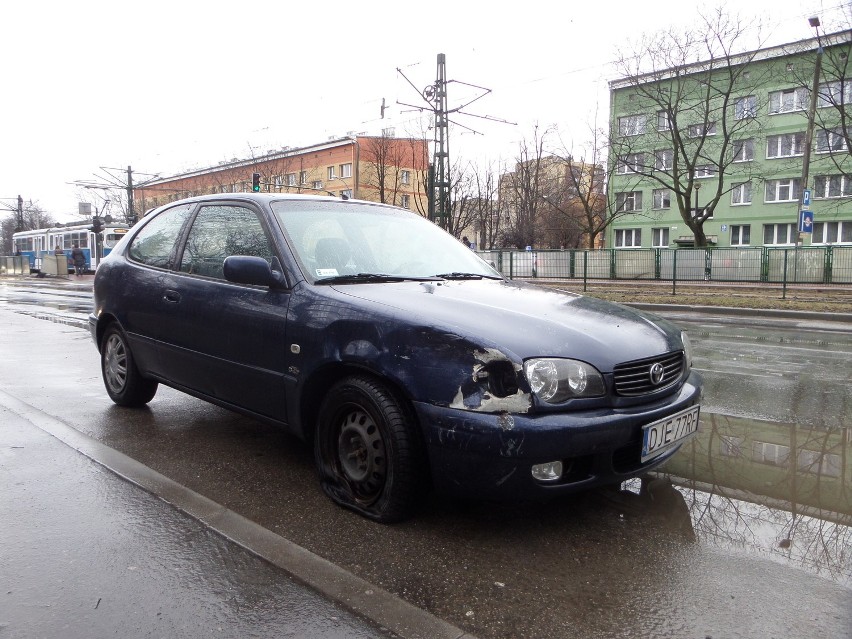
x: 551, y: 471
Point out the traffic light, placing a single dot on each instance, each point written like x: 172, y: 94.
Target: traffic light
x: 97, y: 225
x: 255, y: 182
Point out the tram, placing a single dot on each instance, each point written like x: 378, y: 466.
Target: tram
x: 37, y: 243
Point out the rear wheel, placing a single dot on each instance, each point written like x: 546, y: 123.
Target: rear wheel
x: 124, y: 384
x: 368, y: 450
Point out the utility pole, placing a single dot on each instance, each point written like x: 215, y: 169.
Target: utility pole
x: 130, y: 214
x: 20, y: 213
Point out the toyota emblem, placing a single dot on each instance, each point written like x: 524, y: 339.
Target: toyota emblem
x: 657, y: 372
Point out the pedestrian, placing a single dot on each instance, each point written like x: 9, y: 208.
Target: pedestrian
x: 58, y: 250
x: 79, y: 259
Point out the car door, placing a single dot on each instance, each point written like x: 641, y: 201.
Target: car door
x: 231, y: 343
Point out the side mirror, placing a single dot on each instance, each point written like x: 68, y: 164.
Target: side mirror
x: 248, y: 269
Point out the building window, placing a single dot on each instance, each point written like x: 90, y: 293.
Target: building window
x: 705, y: 170
x: 743, y: 150
x: 317, y: 185
x: 785, y: 146
x: 832, y: 233
x: 632, y: 163
x: 782, y: 190
x: 663, y: 159
x: 745, y: 107
x: 332, y: 175
x: 628, y: 201
x: 832, y: 186
x: 828, y: 141
x: 835, y: 93
x: 662, y: 199
x: 290, y: 179
x: 664, y: 122
x: 819, y: 463
x: 741, y: 193
x: 405, y: 177
x: 303, y: 177
x: 788, y: 100
x: 346, y: 170
x: 740, y: 234
x: 277, y: 181
x: 405, y: 201
x: 731, y: 446
x: 660, y: 238
x: 701, y: 130
x: 631, y: 125
x: 628, y: 238
x: 346, y: 194
x: 778, y: 234
x: 773, y: 454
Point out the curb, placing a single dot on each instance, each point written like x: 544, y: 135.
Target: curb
x: 375, y: 604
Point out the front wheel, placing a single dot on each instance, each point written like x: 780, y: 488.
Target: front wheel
x: 368, y: 450
x: 124, y: 384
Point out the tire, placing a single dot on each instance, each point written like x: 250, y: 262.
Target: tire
x: 124, y: 384
x: 368, y: 450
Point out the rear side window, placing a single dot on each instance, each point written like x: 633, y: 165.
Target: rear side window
x: 221, y: 231
x: 154, y: 245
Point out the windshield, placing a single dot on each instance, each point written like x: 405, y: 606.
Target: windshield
x: 333, y: 240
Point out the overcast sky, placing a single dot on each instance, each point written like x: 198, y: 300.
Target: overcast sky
x: 169, y: 86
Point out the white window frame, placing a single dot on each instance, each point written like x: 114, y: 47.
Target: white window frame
x: 832, y: 186
x: 660, y: 237
x: 346, y: 170
x: 776, y: 188
x: 332, y: 173
x: 788, y: 100
x: 791, y: 233
x: 834, y: 94
x: 317, y: 185
x: 705, y: 171
x: 745, y: 107
x: 630, y: 125
x: 632, y: 163
x: 303, y: 177
x: 832, y: 233
x: 290, y: 179
x: 633, y: 198
x: 740, y: 234
x: 663, y: 159
x: 785, y: 145
x: 702, y: 129
x: 662, y: 199
x: 405, y: 177
x: 664, y: 122
x: 829, y: 141
x: 628, y: 238
x: 741, y: 193
x: 405, y: 201
x: 743, y: 150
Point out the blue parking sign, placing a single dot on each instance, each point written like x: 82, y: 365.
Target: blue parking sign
x: 806, y: 222
x: 806, y: 197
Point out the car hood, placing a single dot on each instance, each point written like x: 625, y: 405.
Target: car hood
x: 524, y: 320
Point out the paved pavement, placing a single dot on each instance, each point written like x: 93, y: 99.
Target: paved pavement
x: 96, y: 545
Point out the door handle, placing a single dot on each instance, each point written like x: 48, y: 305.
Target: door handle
x: 171, y: 296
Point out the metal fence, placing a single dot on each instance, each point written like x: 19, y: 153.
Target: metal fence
x: 802, y: 265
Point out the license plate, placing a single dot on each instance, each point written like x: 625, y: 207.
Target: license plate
x: 666, y: 433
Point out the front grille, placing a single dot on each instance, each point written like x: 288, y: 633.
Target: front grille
x: 634, y: 378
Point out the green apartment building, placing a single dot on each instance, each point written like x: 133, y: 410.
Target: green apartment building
x: 726, y: 139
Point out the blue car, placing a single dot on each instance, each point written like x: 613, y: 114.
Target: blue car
x: 409, y: 362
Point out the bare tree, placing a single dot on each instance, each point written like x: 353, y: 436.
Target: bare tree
x: 34, y: 218
x: 486, y: 205
x: 521, y: 193
x: 703, y: 124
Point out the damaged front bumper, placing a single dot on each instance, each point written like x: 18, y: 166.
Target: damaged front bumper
x: 478, y: 454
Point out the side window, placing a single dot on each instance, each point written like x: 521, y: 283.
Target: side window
x: 155, y: 243
x: 221, y: 231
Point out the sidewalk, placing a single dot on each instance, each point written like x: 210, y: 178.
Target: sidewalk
x: 98, y: 545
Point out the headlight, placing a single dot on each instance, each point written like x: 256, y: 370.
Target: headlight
x: 555, y: 380
x: 687, y: 350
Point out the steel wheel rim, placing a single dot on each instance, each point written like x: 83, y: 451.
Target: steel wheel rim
x: 115, y: 363
x: 361, y: 455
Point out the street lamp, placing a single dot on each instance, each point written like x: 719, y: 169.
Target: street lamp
x: 809, y: 135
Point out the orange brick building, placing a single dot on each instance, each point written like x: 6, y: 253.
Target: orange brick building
x: 378, y: 169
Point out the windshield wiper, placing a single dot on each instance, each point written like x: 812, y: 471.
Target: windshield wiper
x: 455, y: 275
x: 362, y: 278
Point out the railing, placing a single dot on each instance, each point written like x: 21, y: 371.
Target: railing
x: 803, y: 265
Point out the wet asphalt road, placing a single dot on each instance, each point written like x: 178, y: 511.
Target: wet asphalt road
x: 736, y: 550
